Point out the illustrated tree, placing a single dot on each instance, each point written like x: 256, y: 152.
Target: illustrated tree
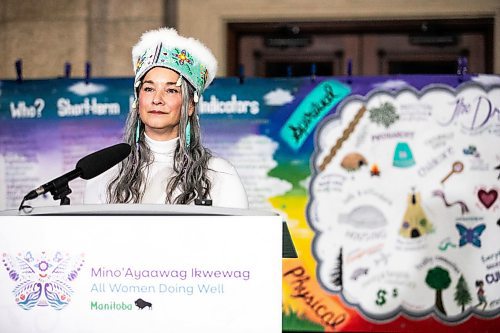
x: 337, y: 271
x: 462, y: 293
x: 439, y: 279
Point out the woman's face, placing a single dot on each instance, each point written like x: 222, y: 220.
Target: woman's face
x: 160, y: 103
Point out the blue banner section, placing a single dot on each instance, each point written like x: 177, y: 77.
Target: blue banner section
x: 311, y: 110
x: 62, y: 98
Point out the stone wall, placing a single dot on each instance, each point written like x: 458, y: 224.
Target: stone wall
x: 46, y: 34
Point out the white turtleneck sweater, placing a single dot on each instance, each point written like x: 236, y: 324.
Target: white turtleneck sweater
x: 227, y: 189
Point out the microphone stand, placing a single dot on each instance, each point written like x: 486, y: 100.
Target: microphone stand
x: 61, y: 192
x: 86, y: 168
x: 60, y: 187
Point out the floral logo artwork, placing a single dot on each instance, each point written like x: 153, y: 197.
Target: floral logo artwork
x: 43, y: 280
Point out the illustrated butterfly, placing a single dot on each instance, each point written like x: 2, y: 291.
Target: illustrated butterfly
x: 470, y: 235
x: 42, y: 281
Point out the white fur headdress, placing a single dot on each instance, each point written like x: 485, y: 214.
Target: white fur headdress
x: 166, y: 48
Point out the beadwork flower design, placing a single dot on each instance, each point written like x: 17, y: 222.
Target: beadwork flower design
x: 177, y: 59
x: 183, y: 57
x: 140, y: 62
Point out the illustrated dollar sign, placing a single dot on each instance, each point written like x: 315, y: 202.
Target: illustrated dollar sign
x: 381, y: 297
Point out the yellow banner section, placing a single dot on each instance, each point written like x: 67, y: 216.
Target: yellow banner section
x: 301, y: 291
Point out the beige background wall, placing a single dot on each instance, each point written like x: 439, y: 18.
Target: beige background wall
x: 46, y: 34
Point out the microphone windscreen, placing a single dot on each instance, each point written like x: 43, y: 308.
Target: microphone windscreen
x: 96, y: 163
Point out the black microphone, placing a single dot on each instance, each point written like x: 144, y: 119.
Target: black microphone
x: 88, y: 167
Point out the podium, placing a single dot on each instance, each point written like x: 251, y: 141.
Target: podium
x: 130, y: 268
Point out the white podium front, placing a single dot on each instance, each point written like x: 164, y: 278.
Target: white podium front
x: 134, y: 268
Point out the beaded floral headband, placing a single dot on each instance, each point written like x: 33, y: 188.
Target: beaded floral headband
x: 166, y: 48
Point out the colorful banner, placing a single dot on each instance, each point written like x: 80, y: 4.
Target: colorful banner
x: 389, y: 185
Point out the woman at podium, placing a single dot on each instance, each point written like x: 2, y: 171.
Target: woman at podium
x: 168, y: 163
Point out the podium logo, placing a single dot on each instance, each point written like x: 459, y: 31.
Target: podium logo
x: 42, y: 280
